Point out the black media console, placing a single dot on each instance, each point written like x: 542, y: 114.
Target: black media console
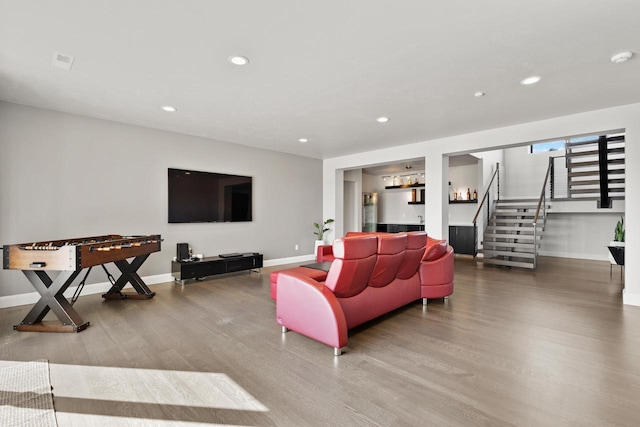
x: 211, y: 266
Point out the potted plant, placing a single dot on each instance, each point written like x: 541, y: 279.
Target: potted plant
x: 619, y: 231
x: 320, y: 230
x: 618, y: 238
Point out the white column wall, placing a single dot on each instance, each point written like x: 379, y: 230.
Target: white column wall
x: 632, y: 212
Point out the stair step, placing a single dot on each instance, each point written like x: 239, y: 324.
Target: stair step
x: 504, y: 206
x: 595, y: 182
x: 514, y: 214
x: 572, y: 145
x: 492, y: 253
x: 573, y: 165
x: 511, y: 226
x: 595, y: 190
x: 611, y: 140
x: 515, y: 200
x: 510, y: 236
x: 595, y: 173
x: 574, y: 154
x: 515, y: 209
x: 496, y: 261
x: 495, y: 245
x: 523, y: 228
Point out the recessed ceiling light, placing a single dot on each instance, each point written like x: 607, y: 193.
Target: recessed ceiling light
x: 169, y: 108
x: 303, y: 140
x: 239, y: 60
x: 621, y: 57
x: 382, y: 119
x: 479, y: 94
x: 530, y: 80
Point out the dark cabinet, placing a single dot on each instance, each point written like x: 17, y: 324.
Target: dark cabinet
x: 463, y: 239
x: 215, y: 265
x: 399, y: 228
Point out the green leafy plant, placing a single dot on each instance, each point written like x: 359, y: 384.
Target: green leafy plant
x: 321, y: 229
x: 619, y: 232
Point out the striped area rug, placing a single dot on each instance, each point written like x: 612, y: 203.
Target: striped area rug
x: 25, y: 395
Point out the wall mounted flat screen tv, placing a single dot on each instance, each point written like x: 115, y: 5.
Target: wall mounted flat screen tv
x: 208, y: 197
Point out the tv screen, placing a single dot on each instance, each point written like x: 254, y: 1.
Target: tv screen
x: 208, y: 197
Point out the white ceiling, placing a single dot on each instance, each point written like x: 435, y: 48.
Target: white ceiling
x: 322, y: 70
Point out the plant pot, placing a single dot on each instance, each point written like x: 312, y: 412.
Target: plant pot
x: 618, y: 244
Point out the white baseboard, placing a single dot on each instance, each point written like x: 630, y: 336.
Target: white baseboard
x: 592, y: 257
x: 291, y: 260
x: 102, y: 287
x: 630, y: 299
x: 94, y: 288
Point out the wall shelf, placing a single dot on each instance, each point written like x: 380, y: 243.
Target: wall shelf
x: 451, y: 202
x: 391, y: 187
x: 416, y: 203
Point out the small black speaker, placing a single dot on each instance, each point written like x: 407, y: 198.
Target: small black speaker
x: 182, y: 251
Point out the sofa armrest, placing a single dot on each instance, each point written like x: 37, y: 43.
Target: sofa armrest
x: 439, y: 271
x: 309, y: 308
x: 325, y: 253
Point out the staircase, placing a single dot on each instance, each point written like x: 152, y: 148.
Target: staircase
x: 510, y: 238
x: 595, y: 170
x: 584, y: 174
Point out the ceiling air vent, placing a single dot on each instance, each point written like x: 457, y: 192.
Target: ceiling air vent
x: 62, y: 61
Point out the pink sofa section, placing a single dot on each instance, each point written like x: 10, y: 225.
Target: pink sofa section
x: 312, y: 273
x: 372, y: 274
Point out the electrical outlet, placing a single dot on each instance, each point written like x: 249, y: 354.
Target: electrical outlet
x: 296, y: 247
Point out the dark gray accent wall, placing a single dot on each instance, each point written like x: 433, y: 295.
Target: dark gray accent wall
x: 65, y: 176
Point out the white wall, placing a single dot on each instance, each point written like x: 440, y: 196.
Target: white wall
x: 393, y: 204
x: 394, y: 207
x: 67, y: 176
x: 524, y: 172
x: 353, y: 200
x: 624, y: 117
x: 579, y: 234
x: 371, y: 183
x: 462, y: 178
x: 488, y: 162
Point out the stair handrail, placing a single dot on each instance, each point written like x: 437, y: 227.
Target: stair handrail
x: 542, y: 202
x: 486, y: 194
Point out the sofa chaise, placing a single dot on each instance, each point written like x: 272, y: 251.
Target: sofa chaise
x: 371, y: 275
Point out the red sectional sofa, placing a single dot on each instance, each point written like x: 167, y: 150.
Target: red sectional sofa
x: 371, y: 274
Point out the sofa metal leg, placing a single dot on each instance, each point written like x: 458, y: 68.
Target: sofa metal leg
x: 424, y: 301
x: 285, y: 329
x: 337, y: 351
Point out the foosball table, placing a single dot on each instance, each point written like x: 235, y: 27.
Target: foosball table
x: 70, y: 257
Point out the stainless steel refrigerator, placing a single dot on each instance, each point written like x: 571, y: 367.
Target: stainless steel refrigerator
x: 369, y: 211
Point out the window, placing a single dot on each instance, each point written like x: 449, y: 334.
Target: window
x: 547, y: 146
x: 560, y: 144
x: 584, y: 138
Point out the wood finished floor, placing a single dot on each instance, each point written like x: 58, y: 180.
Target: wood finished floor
x: 554, y: 347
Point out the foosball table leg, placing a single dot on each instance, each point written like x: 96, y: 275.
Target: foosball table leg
x: 52, y: 298
x: 130, y: 275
